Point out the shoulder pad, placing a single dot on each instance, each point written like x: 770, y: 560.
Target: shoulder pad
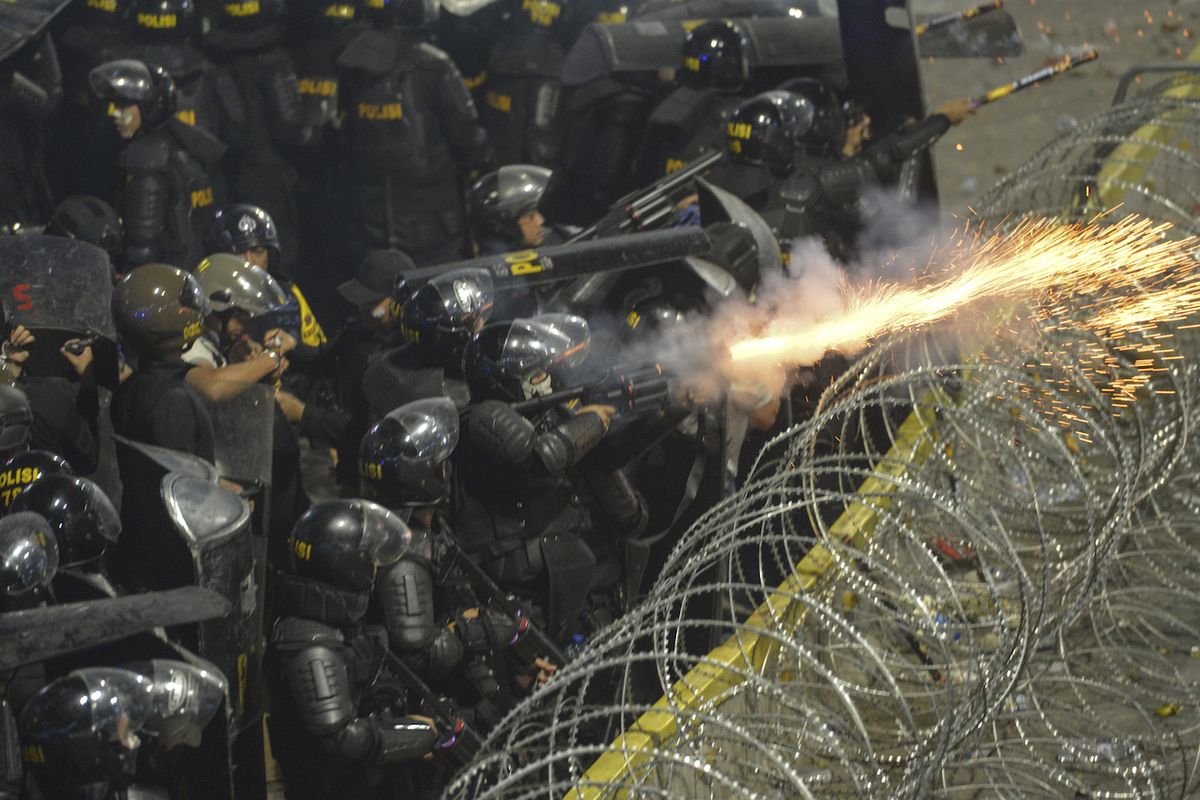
x: 197, y: 141
x: 372, y: 51
x: 147, y: 153
x: 297, y: 632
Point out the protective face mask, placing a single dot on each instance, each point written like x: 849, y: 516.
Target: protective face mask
x: 539, y: 389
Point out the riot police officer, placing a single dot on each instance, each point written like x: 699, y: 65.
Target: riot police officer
x: 250, y: 232
x: 504, y: 208
x: 25, y: 468
x: 522, y: 97
x: 412, y: 138
x: 347, y: 736
x: 167, y: 193
x: 405, y: 465
x: 436, y: 321
x: 246, y: 40
x: 519, y: 514
x: 689, y: 122
x: 163, y: 31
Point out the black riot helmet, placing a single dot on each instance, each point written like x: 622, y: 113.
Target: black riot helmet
x: 768, y: 129
x: 441, y: 316
x: 159, y: 310
x: 16, y: 417
x: 81, y: 728
x: 404, y: 460
x: 241, y: 227
x: 539, y: 14
x: 342, y: 543
x: 497, y: 200
x: 88, y: 219
x: 161, y: 21
x: 23, y: 469
x: 28, y: 554
x: 715, y: 56
x: 828, y: 132
x: 323, y: 16
x: 515, y: 361
x: 81, y: 516
x: 127, y: 81
x: 405, y: 13
x: 249, y: 15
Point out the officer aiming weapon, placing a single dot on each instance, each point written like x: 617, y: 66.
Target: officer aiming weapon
x: 947, y: 19
x: 632, y: 390
x: 1067, y: 63
x: 457, y: 744
x: 651, y: 207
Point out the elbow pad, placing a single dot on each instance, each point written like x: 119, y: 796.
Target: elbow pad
x: 319, y: 682
x: 618, y: 499
x: 572, y: 440
x: 405, y: 592
x: 908, y: 141
x: 501, y: 433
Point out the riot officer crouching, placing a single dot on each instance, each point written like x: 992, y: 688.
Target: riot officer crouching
x: 167, y: 194
x: 347, y: 736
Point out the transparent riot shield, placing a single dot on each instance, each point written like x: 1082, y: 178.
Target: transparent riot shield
x: 59, y: 289
x: 243, y: 426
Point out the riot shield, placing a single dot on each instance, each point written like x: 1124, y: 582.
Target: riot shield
x: 214, y: 526
x: 59, y: 289
x: 647, y: 45
x: 20, y: 22
x: 243, y: 427
x: 27, y: 637
x: 990, y: 35
x: 718, y: 205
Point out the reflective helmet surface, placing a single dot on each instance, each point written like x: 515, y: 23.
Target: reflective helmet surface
x: 156, y: 21
x: 714, y: 57
x: 88, y: 219
x: 828, y: 132
x: 80, y: 515
x: 128, y: 81
x: 241, y: 227
x: 81, y: 728
x: 231, y: 282
x: 440, y: 316
x: 500, y: 198
x: 184, y: 698
x: 28, y: 553
x: 767, y: 129
x: 510, y: 360
x: 16, y: 417
x: 25, y: 468
x: 344, y: 542
x: 404, y: 459
x: 159, y: 309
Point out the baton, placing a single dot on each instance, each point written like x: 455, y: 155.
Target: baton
x: 1068, y: 62
x: 947, y: 19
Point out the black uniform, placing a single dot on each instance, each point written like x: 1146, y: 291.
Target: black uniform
x: 30, y: 89
x: 157, y: 406
x: 65, y: 420
x: 687, y: 124
x: 167, y: 196
x: 207, y: 97
x: 322, y: 731
x: 412, y: 138
x: 522, y: 96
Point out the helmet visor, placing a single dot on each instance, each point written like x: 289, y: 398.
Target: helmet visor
x: 466, y: 294
x: 547, y: 340
x: 28, y: 553
x: 385, y: 537
x: 103, y: 703
x: 427, y: 430
x: 185, y: 698
x: 125, y: 79
x: 108, y: 521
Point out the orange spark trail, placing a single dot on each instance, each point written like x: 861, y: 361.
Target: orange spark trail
x: 1039, y: 259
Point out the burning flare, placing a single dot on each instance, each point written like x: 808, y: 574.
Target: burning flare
x: 1143, y: 278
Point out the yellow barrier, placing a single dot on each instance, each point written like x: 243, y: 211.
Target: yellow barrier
x: 749, y: 649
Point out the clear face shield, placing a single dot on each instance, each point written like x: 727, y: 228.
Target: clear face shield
x: 28, y: 553
x: 537, y: 347
x: 184, y: 698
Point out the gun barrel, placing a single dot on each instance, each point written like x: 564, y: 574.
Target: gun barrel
x: 1066, y: 64
x: 947, y: 19
x: 466, y: 742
